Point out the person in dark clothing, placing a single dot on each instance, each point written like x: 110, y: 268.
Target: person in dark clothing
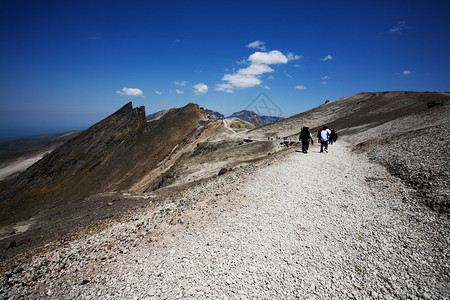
x: 305, y: 137
x: 332, y: 136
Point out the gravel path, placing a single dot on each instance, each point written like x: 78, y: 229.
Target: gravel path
x: 298, y: 226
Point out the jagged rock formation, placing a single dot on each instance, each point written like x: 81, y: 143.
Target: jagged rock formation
x: 111, y: 155
x: 158, y: 115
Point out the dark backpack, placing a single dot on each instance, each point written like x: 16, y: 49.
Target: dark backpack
x: 305, y: 135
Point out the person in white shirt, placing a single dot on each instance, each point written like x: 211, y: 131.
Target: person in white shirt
x: 324, y: 137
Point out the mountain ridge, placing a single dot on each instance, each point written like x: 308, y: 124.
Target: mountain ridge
x: 126, y: 161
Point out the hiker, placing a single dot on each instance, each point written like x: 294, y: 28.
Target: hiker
x: 332, y: 136
x: 324, y: 136
x: 305, y: 137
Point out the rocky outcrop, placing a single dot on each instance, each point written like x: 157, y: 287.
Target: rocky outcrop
x: 110, y: 155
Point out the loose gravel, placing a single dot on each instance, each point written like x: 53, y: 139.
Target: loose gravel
x: 316, y: 225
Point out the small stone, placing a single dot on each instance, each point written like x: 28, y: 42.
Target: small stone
x: 222, y: 171
x: 85, y: 281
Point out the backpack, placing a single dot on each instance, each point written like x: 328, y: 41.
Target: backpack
x: 304, y: 134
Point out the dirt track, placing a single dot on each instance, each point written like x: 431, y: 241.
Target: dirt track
x: 315, y: 225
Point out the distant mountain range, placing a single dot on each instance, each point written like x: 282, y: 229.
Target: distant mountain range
x: 252, y: 117
x: 245, y: 115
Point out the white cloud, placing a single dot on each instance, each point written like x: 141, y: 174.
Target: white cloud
x: 401, y: 25
x: 325, y: 77
x: 323, y: 82
x: 180, y: 83
x: 242, y: 81
x: 266, y: 87
x: 257, y: 45
x: 158, y: 93
x: 224, y: 87
x: 200, y: 89
x: 328, y: 57
x: 271, y: 77
x: 269, y: 58
x: 292, y: 56
x: 297, y: 66
x: 179, y: 92
x: 300, y: 87
x: 406, y: 72
x: 131, y: 92
x: 251, y: 76
x: 255, y: 69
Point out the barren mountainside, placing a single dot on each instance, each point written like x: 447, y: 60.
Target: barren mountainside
x: 125, y: 161
x: 112, y: 154
x: 355, y: 113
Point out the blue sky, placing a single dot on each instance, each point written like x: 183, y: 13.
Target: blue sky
x: 66, y: 65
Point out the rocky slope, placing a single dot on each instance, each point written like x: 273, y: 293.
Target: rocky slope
x: 271, y: 230
x: 356, y: 113
x: 395, y: 129
x: 115, y: 166
x: 404, y: 131
x: 111, y: 155
x: 18, y: 154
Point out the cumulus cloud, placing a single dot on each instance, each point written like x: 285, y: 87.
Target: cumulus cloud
x: 180, y: 83
x: 406, y: 72
x: 179, y: 92
x: 250, y: 76
x: 257, y: 45
x: 271, y: 77
x: 401, y: 25
x: 266, y: 87
x: 224, y: 87
x: 158, y: 93
x: 131, y: 92
x: 200, y: 89
x: 255, y: 69
x: 328, y: 57
x: 242, y: 81
x: 300, y: 87
x: 269, y: 58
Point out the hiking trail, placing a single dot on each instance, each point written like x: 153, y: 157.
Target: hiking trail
x: 318, y: 225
